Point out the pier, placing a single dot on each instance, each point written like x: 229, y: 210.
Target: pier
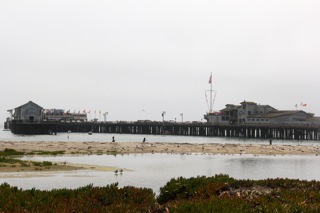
x: 288, y: 132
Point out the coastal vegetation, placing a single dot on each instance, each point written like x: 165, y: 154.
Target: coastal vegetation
x: 9, y: 161
x: 219, y: 193
x: 13, y: 152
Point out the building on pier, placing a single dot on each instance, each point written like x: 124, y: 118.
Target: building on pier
x: 254, y: 121
x: 29, y: 112
x: 33, y: 113
x: 63, y: 116
x: 253, y: 113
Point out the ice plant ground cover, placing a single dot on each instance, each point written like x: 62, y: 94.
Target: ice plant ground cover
x: 219, y: 193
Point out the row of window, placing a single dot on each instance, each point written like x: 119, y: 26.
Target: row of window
x: 252, y: 119
x: 226, y: 118
x: 249, y: 112
x: 232, y: 113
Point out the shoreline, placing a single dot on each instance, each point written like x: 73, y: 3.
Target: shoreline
x: 114, y: 148
x: 159, y: 147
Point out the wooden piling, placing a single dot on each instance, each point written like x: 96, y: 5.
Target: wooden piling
x: 186, y: 129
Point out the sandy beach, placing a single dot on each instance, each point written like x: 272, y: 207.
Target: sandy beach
x: 159, y: 147
x: 84, y: 148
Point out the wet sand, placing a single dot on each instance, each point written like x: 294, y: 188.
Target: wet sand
x: 55, y: 167
x: 159, y: 147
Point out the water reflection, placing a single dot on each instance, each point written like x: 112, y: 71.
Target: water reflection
x: 298, y: 167
x: 154, y: 170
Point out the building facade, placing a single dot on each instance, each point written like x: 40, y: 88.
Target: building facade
x: 253, y: 113
x: 63, y: 116
x: 29, y: 112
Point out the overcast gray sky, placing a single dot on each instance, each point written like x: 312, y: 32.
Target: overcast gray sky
x: 124, y: 56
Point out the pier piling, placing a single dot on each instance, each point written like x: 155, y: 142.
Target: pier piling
x: 158, y: 128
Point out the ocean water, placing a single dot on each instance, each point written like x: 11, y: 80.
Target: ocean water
x: 155, y: 170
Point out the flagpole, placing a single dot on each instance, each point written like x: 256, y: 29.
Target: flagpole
x: 210, y: 93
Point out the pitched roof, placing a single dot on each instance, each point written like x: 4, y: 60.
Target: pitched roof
x: 266, y: 106
x: 276, y: 114
x: 314, y: 119
x: 30, y: 102
x: 248, y: 102
x: 230, y: 107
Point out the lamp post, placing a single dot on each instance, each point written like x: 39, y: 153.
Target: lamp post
x: 163, y: 113
x: 181, y: 114
x: 105, y: 116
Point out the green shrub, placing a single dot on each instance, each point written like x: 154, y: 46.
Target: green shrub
x: 46, y: 153
x: 270, y: 195
x: 183, y: 188
x: 42, y: 164
x: 85, y: 199
x: 9, y: 160
x: 10, y: 152
x: 202, y: 194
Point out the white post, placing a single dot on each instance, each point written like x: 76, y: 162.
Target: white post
x: 181, y: 114
x: 105, y: 116
x: 210, y: 82
x: 163, y: 113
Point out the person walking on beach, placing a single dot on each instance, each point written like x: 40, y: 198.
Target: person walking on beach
x: 113, y: 140
x: 144, y: 140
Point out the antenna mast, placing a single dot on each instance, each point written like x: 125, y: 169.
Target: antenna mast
x: 210, y: 82
x: 212, y: 98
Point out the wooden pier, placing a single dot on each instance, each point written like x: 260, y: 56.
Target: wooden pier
x: 288, y: 132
